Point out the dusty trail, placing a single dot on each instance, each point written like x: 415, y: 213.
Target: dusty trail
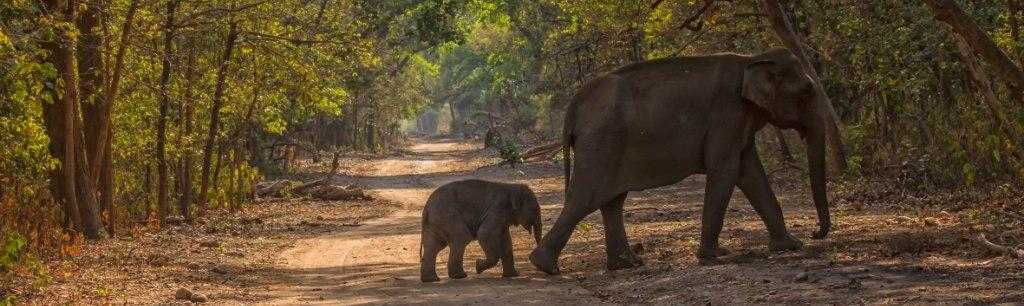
x: 377, y: 263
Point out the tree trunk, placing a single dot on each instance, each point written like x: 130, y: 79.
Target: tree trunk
x: 979, y: 42
x: 59, y: 117
x: 988, y: 95
x: 1014, y: 24
x: 91, y: 78
x: 218, y: 96
x: 945, y: 93
x: 184, y: 175
x: 783, y: 28
x: 161, y: 122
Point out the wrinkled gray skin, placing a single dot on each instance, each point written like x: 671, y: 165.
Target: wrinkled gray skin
x: 463, y: 211
x: 655, y: 123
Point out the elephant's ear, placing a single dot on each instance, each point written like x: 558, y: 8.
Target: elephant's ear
x: 515, y: 201
x: 759, y: 83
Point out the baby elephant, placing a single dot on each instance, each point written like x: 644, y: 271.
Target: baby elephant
x: 463, y: 211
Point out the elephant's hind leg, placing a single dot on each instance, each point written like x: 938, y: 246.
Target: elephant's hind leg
x: 430, y: 245
x: 620, y: 256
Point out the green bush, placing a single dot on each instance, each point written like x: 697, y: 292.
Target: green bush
x: 12, y: 247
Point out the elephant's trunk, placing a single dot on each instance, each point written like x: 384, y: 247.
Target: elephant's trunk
x: 537, y: 231
x: 817, y: 168
x: 820, y: 130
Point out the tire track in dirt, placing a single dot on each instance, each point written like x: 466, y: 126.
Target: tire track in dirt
x: 377, y: 263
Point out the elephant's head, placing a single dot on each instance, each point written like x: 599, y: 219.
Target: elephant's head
x: 526, y: 211
x: 776, y: 83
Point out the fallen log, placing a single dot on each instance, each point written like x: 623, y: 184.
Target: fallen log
x: 338, y: 193
x: 1003, y: 250
x: 271, y: 188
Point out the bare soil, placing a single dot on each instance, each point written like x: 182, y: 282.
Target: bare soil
x: 888, y: 247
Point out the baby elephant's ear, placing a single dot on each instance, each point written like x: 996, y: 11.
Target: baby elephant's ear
x: 515, y: 199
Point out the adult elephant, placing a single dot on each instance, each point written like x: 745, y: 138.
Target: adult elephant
x: 655, y: 123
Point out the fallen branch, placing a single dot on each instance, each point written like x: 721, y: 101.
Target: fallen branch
x: 543, y: 150
x: 1004, y: 250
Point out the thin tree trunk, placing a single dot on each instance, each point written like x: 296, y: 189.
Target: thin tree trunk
x: 215, y: 114
x: 783, y: 28
x: 945, y: 93
x: 185, y: 164
x: 981, y: 81
x: 106, y: 183
x: 85, y: 187
x: 783, y: 146
x: 1014, y: 24
x: 102, y: 161
x: 979, y: 42
x: 165, y: 102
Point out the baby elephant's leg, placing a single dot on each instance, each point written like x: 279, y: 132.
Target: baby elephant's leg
x: 456, y: 251
x: 431, y: 245
x: 508, y: 261
x: 497, y: 245
x: 492, y: 240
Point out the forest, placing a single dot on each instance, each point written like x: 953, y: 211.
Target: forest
x: 123, y: 119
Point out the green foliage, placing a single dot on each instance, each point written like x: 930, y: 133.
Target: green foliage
x: 510, y: 151
x: 10, y: 250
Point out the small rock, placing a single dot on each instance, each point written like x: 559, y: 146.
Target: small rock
x: 188, y: 295
x: 903, y: 219
x: 209, y: 243
x: 837, y: 281
x: 802, y: 277
x: 220, y: 270
x: 638, y: 248
x: 183, y: 294
x: 931, y: 221
x: 158, y: 260
x: 854, y: 284
x: 235, y: 254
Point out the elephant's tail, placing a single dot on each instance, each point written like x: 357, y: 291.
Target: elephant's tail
x: 567, y: 160
x: 423, y: 233
x: 567, y: 137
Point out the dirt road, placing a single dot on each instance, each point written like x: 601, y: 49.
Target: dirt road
x: 377, y: 263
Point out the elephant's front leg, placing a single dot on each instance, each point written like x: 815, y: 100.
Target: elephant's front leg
x: 718, y: 192
x: 494, y: 239
x: 754, y: 184
x: 508, y: 260
x: 620, y: 256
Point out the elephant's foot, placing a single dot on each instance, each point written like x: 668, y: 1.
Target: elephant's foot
x: 429, y: 278
x: 786, y: 243
x: 457, y: 275
x: 625, y: 260
x: 542, y: 259
x: 512, y: 273
x: 710, y: 257
x: 484, y: 264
